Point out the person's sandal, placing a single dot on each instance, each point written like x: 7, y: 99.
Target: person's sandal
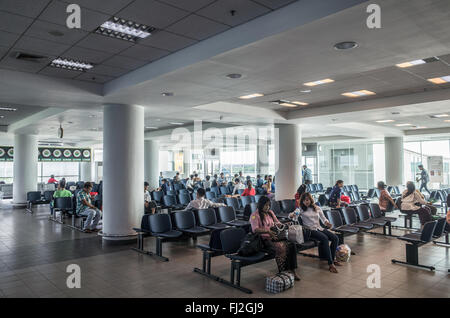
x: 333, y: 269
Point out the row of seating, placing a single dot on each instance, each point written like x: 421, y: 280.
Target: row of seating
x: 190, y: 222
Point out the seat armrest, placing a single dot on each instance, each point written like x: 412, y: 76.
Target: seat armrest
x: 205, y: 247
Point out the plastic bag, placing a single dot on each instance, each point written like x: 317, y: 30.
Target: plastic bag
x: 343, y: 253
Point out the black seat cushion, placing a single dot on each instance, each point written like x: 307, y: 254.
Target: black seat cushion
x: 238, y: 223
x: 169, y: 234
x: 363, y: 225
x: 217, y: 226
x: 196, y: 230
x: 347, y: 228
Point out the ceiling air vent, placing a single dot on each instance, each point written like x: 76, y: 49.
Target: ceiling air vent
x: 29, y: 57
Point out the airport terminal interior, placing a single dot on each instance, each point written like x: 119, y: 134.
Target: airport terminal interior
x: 224, y: 148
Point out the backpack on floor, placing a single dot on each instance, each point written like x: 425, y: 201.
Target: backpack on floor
x: 279, y: 282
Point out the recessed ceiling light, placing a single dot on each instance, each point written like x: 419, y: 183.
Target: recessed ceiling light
x: 299, y: 103
x: 420, y: 127
x: 403, y: 125
x: 124, y: 29
x: 92, y: 116
x: 285, y: 104
x: 360, y: 93
x: 319, y: 82
x: 8, y: 109
x: 346, y: 45
x: 439, y: 115
x: 251, y: 96
x: 305, y: 91
x: 234, y: 75
x: 151, y: 127
x: 411, y: 63
x: 1, y: 116
x: 167, y: 94
x: 176, y: 123
x: 417, y: 62
x: 440, y: 80
x: 70, y: 64
x: 385, y: 121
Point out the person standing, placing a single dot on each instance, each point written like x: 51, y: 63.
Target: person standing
x: 307, y: 175
x: 424, y: 179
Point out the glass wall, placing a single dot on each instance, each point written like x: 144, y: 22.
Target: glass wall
x: 6, y: 171
x: 351, y: 162
x: 419, y: 152
x: 67, y: 170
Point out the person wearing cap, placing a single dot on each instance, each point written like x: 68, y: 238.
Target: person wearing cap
x: 385, y: 202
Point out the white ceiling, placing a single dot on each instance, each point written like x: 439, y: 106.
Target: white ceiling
x: 275, y: 65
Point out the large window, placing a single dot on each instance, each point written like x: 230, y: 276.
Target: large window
x: 351, y: 162
x: 6, y: 171
x: 234, y: 161
x: 67, y: 170
x: 419, y: 152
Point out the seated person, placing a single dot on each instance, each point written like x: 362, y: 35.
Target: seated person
x: 249, y: 190
x: 311, y: 216
x: 207, y: 183
x: 301, y: 189
x: 201, y: 202
x: 190, y: 183
x: 150, y: 206
x: 414, y: 203
x: 52, y: 179
x: 259, y: 181
x: 85, y: 208
x: 285, y: 251
x: 176, y: 178
x: 166, y: 186
x: 237, y: 186
x: 214, y: 181
x: 335, y: 195
x: 267, y: 187
x: 221, y: 181
x: 61, y: 192
x: 385, y: 200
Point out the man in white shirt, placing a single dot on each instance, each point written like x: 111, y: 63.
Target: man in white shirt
x: 201, y: 203
x: 238, y: 185
x: 207, y: 183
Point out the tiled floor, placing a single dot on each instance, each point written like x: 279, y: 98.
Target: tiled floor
x: 34, y: 254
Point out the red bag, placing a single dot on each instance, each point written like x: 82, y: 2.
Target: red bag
x: 345, y: 198
x: 93, y: 194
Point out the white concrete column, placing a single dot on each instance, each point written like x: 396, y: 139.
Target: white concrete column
x: 262, y: 157
x: 393, y: 156
x: 25, y: 167
x: 288, y: 160
x: 85, y: 171
x: 151, y: 162
x: 123, y: 170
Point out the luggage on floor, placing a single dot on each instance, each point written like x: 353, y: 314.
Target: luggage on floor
x: 343, y: 253
x: 279, y: 282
